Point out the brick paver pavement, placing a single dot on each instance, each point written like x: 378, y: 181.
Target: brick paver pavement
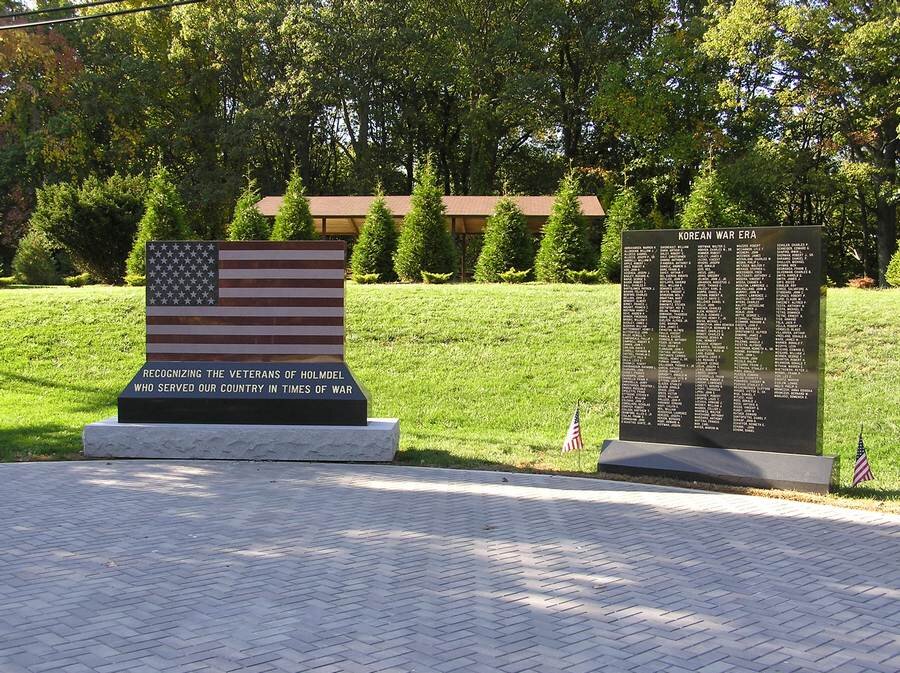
x: 152, y: 566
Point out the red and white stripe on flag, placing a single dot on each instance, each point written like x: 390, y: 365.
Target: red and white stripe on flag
x: 861, y: 471
x: 573, y: 437
x: 245, y: 301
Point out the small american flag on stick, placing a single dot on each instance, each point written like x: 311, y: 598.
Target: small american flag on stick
x: 573, y: 438
x: 245, y: 301
x: 861, y: 471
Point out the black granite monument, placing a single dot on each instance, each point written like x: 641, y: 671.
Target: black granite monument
x: 721, y: 357
x: 245, y: 332
x: 244, y: 360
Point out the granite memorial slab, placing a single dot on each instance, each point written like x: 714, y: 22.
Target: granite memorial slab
x: 247, y: 333
x: 721, y: 348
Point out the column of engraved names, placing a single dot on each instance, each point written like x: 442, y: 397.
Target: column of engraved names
x: 792, y: 268
x: 751, y: 291
x: 712, y: 331
x: 672, y: 361
x: 637, y: 387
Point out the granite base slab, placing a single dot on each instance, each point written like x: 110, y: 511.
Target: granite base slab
x: 375, y: 442
x: 739, y: 467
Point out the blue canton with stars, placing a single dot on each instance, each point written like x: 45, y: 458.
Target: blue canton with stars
x: 182, y: 273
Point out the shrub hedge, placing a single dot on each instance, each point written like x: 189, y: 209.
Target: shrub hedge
x: 33, y: 263
x: 79, y: 280
x: 94, y: 223
x: 436, y: 278
x: 585, y: 276
x: 514, y: 276
x: 366, y: 278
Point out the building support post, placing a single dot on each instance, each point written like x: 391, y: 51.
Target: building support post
x: 462, y: 270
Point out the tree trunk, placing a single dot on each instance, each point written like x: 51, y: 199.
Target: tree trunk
x: 886, y: 214
x: 864, y: 226
x: 570, y: 103
x: 410, y: 163
x: 885, y: 210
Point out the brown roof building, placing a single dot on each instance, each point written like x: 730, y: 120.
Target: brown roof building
x: 343, y: 215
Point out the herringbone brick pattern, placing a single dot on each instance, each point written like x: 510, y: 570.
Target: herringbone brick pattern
x: 149, y: 566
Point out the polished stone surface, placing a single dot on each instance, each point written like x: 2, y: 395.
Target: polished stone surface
x: 255, y: 393
x: 763, y: 469
x: 377, y: 441
x: 723, y: 338
x: 150, y: 566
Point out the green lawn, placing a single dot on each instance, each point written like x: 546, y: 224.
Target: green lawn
x: 479, y: 375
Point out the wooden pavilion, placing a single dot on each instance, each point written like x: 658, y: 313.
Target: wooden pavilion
x: 466, y: 215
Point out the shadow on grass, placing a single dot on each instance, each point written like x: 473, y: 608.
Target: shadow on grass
x: 868, y: 493
x: 40, y: 441
x: 107, y: 392
x: 507, y: 455
x: 443, y: 458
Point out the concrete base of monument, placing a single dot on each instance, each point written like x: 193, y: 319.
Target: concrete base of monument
x: 375, y: 442
x: 763, y: 469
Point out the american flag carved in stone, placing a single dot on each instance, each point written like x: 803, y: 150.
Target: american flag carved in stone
x: 245, y: 301
x: 182, y: 273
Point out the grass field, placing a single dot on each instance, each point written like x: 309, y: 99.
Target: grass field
x: 479, y: 375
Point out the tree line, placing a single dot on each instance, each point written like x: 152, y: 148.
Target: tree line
x: 785, y: 112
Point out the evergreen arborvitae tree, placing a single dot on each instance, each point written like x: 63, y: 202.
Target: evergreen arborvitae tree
x: 425, y: 243
x: 377, y: 243
x: 565, y: 246
x: 892, y: 276
x: 624, y: 213
x: 248, y: 224
x: 33, y: 262
x: 294, y: 222
x: 709, y: 206
x: 507, y: 243
x: 164, y: 220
